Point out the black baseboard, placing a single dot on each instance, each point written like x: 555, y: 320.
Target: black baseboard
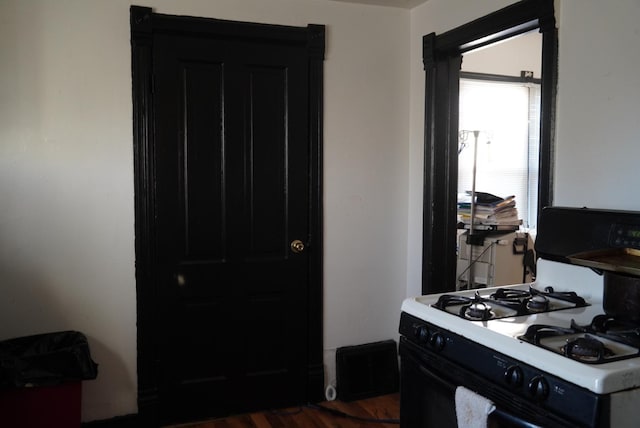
x: 127, y: 421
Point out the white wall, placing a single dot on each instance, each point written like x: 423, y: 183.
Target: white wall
x: 598, y: 104
x: 598, y: 137
x: 66, y: 173
x: 66, y: 185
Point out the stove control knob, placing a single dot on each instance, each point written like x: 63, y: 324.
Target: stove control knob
x: 437, y: 341
x: 539, y: 387
x: 513, y: 376
x: 421, y: 332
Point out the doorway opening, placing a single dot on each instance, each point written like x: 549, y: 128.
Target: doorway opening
x: 499, y: 99
x: 442, y: 56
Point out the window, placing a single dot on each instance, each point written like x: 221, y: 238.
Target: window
x: 507, y: 114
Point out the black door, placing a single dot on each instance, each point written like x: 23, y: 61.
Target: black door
x: 234, y: 191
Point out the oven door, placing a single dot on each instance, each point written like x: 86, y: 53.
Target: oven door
x: 427, y: 394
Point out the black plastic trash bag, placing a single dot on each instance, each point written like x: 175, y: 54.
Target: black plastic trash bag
x: 46, y: 359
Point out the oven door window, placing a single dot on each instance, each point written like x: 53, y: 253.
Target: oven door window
x: 427, y: 395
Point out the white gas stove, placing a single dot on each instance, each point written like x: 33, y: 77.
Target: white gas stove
x: 504, y: 334
x: 544, y: 352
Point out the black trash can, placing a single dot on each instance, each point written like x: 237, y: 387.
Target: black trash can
x: 40, y: 379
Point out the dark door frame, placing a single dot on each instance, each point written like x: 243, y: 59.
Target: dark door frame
x: 442, y: 56
x: 144, y: 24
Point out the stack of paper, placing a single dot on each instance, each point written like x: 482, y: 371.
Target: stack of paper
x: 490, y: 211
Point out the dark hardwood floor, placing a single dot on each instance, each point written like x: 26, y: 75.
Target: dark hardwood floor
x: 366, y: 411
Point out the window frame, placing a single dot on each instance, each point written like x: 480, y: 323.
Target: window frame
x: 527, y: 83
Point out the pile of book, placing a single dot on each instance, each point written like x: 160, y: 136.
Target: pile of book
x: 491, y: 212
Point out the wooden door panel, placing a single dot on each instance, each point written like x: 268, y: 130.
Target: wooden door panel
x: 229, y: 199
x: 267, y: 350
x: 202, y: 357
x: 202, y: 161
x: 233, y: 165
x: 266, y: 139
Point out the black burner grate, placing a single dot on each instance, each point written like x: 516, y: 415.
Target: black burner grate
x: 604, y: 340
x: 512, y: 302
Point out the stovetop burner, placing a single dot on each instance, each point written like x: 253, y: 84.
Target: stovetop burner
x: 505, y: 302
x: 538, y: 304
x: 604, y: 340
x: 477, y: 310
x: 586, y: 348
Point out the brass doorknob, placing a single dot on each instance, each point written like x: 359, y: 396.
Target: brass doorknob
x: 297, y: 246
x: 181, y: 281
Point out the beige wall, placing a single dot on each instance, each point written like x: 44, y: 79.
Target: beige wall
x: 66, y: 173
x: 66, y: 185
x: 596, y: 143
x: 598, y: 138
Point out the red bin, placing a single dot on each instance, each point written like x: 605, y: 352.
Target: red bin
x: 55, y: 406
x: 40, y: 379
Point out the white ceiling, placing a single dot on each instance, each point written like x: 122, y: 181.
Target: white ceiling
x: 405, y: 4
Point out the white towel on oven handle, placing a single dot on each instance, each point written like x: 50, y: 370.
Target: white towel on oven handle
x: 472, y: 410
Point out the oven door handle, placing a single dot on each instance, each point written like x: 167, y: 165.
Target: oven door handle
x: 413, y: 355
x: 498, y: 413
x: 513, y: 421
x: 442, y: 381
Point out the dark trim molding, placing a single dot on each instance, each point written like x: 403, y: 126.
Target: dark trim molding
x: 549, y: 90
x: 442, y: 56
x: 316, y: 48
x: 144, y: 24
x: 518, y: 18
x: 144, y: 171
x: 498, y: 77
